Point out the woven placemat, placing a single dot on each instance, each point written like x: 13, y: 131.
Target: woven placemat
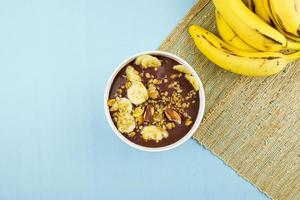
x: 252, y: 124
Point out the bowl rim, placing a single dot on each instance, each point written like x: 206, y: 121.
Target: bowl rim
x: 196, y: 124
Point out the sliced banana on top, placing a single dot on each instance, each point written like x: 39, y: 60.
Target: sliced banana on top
x: 123, y: 105
x: 132, y: 75
x: 193, y: 81
x: 152, y: 132
x: 147, y: 61
x: 182, y: 69
x: 137, y: 93
x: 126, y: 123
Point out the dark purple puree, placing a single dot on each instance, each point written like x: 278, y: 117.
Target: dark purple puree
x: 180, y: 130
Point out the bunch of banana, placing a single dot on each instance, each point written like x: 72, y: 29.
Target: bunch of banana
x: 238, y: 61
x: 252, y: 28
x: 253, y: 33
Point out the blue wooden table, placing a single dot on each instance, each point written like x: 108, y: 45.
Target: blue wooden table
x: 55, y: 58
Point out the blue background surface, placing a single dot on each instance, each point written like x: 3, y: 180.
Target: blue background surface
x: 55, y: 58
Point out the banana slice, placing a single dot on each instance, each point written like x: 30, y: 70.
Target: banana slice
x: 147, y: 61
x: 137, y: 93
x: 193, y: 81
x: 182, y: 69
x: 123, y: 105
x: 125, y: 123
x: 132, y: 74
x: 154, y: 133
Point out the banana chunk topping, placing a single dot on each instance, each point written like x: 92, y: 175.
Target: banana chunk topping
x: 123, y: 105
x: 137, y: 93
x: 132, y: 75
x: 147, y: 61
x: 126, y: 123
x: 193, y: 81
x: 182, y: 69
x: 155, y: 133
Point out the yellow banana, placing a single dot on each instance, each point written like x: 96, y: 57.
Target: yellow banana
x: 245, y: 2
x: 229, y: 36
x: 249, y: 27
x: 260, y: 9
x: 257, y: 6
x: 248, y: 3
x: 244, y: 63
x: 286, y: 15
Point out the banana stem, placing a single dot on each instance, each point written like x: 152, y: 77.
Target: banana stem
x: 294, y: 56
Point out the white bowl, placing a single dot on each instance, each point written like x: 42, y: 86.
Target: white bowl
x: 191, y: 131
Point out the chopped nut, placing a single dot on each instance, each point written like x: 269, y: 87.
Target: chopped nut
x: 148, y: 75
x: 155, y: 81
x: 158, y: 115
x: 170, y: 125
x: 119, y: 91
x: 152, y: 92
x: 139, y: 120
x: 188, y: 122
x: 148, y: 113
x: 131, y: 134
x: 173, y: 76
x: 127, y: 85
x: 110, y: 102
x: 172, y: 115
x: 138, y: 111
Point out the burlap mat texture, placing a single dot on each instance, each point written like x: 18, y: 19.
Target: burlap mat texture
x: 252, y: 124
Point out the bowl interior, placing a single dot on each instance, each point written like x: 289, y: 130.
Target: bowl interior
x: 199, y: 115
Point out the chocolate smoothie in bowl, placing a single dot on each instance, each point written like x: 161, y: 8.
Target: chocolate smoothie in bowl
x: 154, y: 100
